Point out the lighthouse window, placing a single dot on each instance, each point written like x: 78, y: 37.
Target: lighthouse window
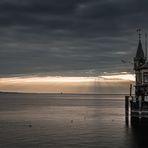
x: 139, y: 78
x: 145, y: 77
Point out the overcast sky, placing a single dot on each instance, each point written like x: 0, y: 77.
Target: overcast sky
x: 69, y: 37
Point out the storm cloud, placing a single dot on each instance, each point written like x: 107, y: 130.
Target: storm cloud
x: 69, y: 37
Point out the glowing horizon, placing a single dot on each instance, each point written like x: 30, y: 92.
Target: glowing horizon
x: 53, y: 84
x: 44, y: 79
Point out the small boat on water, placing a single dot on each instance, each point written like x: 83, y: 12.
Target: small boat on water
x: 139, y: 102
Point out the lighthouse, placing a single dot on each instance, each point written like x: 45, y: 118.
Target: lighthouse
x: 139, y: 102
x: 140, y: 71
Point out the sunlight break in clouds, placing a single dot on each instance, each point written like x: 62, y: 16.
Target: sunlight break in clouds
x: 48, y: 84
x: 46, y: 79
x: 129, y: 77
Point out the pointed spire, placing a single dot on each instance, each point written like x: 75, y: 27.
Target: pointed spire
x: 140, y: 53
x: 140, y: 59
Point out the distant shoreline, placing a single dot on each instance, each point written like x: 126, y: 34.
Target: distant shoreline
x: 1, y: 92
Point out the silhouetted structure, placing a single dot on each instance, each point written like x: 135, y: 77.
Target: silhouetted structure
x: 139, y: 102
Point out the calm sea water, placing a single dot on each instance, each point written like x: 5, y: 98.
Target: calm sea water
x: 67, y: 121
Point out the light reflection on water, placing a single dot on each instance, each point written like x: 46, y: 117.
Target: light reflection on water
x: 63, y: 121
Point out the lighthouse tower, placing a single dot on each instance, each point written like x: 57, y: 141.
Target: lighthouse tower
x: 141, y: 71
x: 139, y: 102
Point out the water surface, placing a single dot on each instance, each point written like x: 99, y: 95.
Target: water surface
x: 67, y: 121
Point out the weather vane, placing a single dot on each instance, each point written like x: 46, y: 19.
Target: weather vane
x: 139, y: 32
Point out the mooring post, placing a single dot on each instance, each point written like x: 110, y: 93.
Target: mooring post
x: 127, y: 110
x: 130, y: 90
x: 126, y: 105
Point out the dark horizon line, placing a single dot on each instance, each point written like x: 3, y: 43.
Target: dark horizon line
x: 62, y: 93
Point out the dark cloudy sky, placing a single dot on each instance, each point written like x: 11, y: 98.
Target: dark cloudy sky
x: 69, y: 37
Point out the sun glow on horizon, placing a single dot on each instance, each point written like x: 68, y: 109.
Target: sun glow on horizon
x: 46, y: 79
x: 130, y: 77
x: 55, y: 84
